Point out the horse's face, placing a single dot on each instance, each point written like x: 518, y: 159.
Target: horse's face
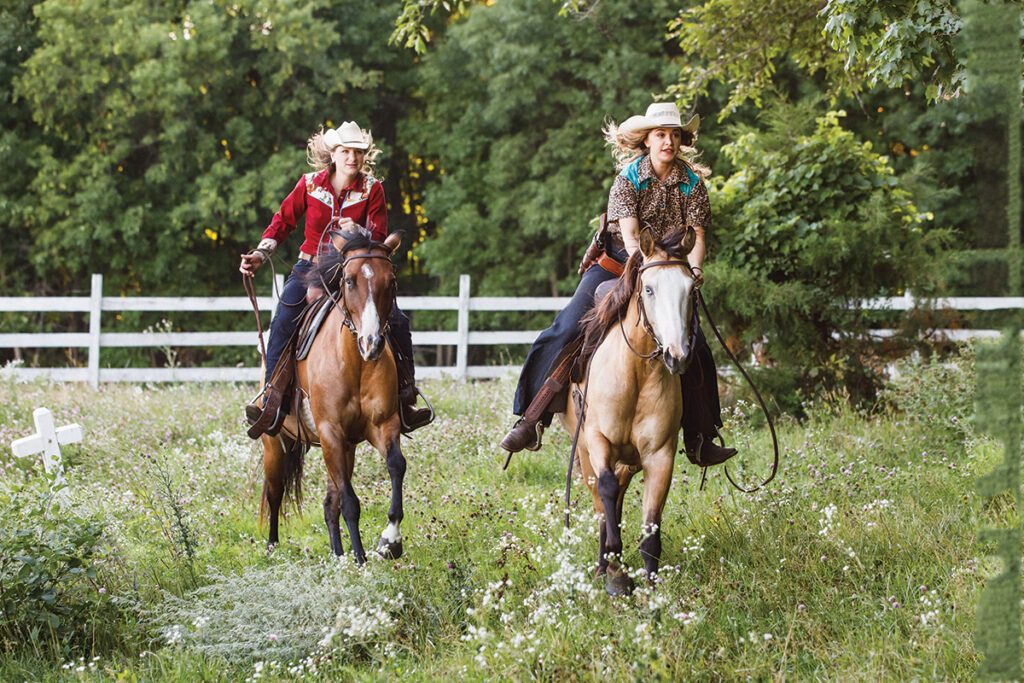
x: 368, y: 286
x: 667, y: 293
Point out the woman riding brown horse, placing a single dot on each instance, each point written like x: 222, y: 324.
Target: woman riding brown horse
x: 350, y: 381
x: 340, y: 193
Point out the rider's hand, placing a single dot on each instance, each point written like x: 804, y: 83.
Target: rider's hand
x: 255, y: 258
x: 251, y: 261
x: 346, y: 224
x: 698, y: 274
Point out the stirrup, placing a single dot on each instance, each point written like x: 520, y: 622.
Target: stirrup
x: 406, y: 428
x: 253, y: 409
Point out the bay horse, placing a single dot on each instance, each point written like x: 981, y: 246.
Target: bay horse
x: 350, y: 388
x: 632, y: 401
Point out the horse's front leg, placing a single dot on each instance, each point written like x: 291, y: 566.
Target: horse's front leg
x: 390, y: 545
x: 339, y: 457
x: 610, y: 489
x: 657, y: 480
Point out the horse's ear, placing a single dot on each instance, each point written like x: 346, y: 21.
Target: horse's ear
x: 646, y: 242
x: 393, y: 240
x: 689, y: 239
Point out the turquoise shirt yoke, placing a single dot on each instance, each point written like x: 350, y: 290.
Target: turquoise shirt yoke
x: 632, y: 174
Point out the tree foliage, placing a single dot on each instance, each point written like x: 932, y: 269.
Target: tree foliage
x: 513, y: 101
x: 166, y: 134
x: 812, y: 224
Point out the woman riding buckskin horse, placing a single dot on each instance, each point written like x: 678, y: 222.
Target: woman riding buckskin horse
x: 659, y: 187
x: 339, y: 194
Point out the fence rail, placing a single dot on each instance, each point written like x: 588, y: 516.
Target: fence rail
x: 95, y: 305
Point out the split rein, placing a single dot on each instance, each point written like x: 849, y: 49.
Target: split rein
x: 695, y: 293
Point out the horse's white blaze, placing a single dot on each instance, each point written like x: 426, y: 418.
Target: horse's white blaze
x: 370, y: 321
x: 391, y: 533
x: 667, y: 309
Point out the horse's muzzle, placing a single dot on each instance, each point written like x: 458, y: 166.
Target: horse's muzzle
x: 677, y: 358
x: 370, y: 346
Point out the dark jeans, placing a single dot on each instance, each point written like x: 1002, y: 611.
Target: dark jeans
x: 701, y: 407
x: 293, y: 303
x: 551, y: 341
x: 289, y: 310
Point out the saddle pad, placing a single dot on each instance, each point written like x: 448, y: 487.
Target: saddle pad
x: 311, y: 322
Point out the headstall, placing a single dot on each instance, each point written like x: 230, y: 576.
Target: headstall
x: 642, y: 312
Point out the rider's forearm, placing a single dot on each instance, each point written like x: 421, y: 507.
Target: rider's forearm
x: 696, y: 255
x: 630, y: 228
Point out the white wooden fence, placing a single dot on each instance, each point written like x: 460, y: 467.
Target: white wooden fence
x: 95, y: 305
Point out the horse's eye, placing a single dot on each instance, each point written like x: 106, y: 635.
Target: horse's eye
x: 648, y: 291
x: 349, y: 283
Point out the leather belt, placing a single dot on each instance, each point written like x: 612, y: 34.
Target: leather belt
x: 610, y: 264
x: 303, y: 256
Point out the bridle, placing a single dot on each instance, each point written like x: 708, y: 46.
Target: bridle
x: 642, y: 312
x: 341, y: 302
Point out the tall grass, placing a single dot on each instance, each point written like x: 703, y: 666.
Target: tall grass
x: 859, y: 561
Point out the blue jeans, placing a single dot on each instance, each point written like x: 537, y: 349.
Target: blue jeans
x: 289, y: 310
x: 551, y: 341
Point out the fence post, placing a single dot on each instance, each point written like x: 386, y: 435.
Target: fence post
x: 95, y: 304
x: 462, y: 347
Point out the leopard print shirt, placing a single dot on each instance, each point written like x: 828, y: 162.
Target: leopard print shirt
x: 680, y: 200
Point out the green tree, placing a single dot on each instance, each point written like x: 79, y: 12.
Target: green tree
x: 171, y: 131
x: 812, y: 224
x: 513, y: 101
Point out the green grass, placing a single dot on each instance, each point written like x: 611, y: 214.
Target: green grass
x: 859, y: 561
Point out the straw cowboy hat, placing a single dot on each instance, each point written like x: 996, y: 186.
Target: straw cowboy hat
x: 348, y: 134
x: 660, y: 115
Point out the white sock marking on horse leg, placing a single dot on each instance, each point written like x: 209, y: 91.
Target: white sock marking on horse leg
x: 391, y: 533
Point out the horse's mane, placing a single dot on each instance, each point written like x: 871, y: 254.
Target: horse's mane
x: 614, y: 305
x: 327, y: 269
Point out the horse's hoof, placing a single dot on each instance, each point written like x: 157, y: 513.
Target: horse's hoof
x: 388, y: 550
x: 618, y: 584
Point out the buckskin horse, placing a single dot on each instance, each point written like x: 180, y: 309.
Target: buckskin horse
x: 632, y: 403
x: 350, y: 395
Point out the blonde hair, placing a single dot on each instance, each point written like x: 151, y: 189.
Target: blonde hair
x: 628, y: 146
x: 318, y: 154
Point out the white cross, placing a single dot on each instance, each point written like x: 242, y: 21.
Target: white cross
x: 47, y: 441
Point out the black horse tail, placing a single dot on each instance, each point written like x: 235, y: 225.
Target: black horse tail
x: 294, y: 461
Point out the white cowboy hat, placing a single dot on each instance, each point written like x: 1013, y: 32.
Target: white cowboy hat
x: 348, y: 134
x: 660, y: 115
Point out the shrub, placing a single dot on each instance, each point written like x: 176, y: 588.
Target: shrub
x: 48, y: 558
x: 936, y: 394
x: 286, y: 611
x: 811, y: 225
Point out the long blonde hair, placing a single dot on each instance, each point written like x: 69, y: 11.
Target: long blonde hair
x: 628, y: 146
x: 318, y: 154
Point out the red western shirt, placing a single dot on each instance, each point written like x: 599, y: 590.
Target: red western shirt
x: 362, y: 201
